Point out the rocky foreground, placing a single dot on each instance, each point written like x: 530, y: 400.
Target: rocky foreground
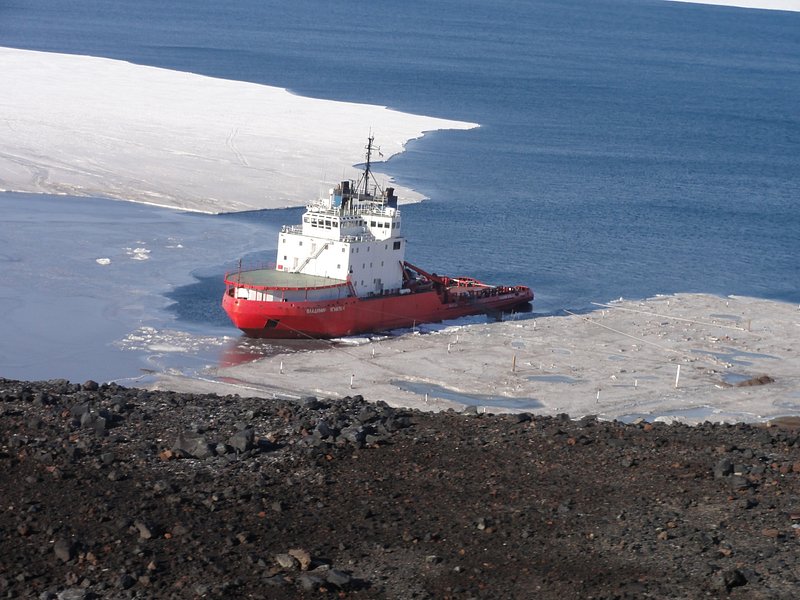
x: 108, y: 492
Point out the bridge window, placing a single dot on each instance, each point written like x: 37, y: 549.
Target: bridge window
x: 397, y: 245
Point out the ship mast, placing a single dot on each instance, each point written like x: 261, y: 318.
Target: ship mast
x: 366, y: 168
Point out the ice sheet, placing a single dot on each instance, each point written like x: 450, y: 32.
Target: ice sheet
x: 790, y: 5
x: 88, y: 126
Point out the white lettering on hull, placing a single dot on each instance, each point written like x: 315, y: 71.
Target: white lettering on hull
x: 324, y: 309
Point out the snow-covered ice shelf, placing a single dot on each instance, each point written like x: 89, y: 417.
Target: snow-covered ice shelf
x: 88, y: 126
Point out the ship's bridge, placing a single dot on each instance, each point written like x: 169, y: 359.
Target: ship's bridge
x: 351, y: 216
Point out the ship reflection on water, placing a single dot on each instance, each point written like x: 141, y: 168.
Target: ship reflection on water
x: 244, y: 349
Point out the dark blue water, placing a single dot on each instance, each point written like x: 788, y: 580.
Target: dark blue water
x: 626, y: 148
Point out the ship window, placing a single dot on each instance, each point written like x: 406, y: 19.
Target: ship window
x: 386, y: 247
x: 381, y: 263
x: 343, y: 248
x: 284, y: 257
x: 372, y: 223
x: 397, y: 245
x: 300, y: 243
x: 370, y: 265
x: 338, y: 266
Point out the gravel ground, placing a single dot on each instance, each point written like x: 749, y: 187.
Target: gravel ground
x: 108, y: 492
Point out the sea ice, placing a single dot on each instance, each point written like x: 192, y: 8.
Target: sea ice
x: 89, y: 126
x: 788, y: 5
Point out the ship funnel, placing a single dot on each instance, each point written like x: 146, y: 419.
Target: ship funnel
x: 345, y: 192
x: 391, y: 199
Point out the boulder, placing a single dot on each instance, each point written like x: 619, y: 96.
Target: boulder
x: 243, y: 440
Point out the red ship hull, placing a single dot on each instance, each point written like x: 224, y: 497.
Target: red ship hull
x: 353, y: 315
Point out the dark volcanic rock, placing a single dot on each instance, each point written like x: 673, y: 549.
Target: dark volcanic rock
x: 243, y: 440
x: 193, y: 445
x: 64, y: 549
x: 346, y: 498
x: 723, y: 468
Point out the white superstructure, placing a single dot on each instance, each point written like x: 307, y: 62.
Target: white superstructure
x: 351, y: 234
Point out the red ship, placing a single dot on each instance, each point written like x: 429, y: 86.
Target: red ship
x: 342, y: 272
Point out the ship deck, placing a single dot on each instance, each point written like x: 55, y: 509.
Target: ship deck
x: 270, y: 278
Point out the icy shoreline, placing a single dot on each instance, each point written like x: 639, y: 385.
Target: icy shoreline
x: 88, y: 126
x: 682, y: 357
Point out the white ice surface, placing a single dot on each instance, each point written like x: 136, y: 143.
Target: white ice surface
x: 789, y: 5
x: 88, y: 126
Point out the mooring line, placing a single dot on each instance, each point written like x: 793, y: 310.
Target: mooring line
x: 653, y: 314
x: 633, y: 337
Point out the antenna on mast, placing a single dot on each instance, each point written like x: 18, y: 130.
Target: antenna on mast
x: 366, y: 168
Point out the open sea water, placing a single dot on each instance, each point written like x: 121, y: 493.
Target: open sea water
x: 627, y: 147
